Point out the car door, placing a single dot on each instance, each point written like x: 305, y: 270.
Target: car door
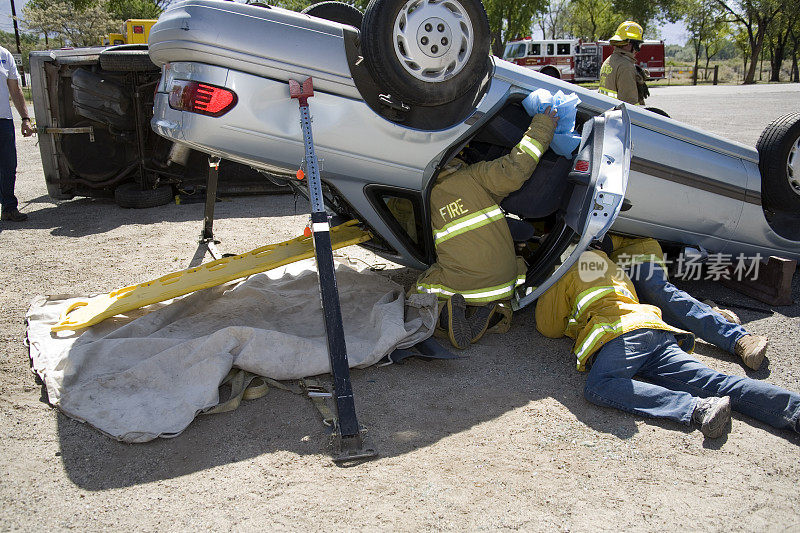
x: 599, y: 176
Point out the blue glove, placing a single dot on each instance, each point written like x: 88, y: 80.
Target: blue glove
x: 565, y: 141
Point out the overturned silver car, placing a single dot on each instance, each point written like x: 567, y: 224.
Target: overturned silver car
x: 406, y: 90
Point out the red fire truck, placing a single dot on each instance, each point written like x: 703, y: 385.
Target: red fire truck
x: 575, y: 60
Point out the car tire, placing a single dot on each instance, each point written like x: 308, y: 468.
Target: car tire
x: 453, y: 34
x: 658, y: 111
x: 131, y: 195
x: 336, y: 12
x: 779, y: 163
x: 127, y: 58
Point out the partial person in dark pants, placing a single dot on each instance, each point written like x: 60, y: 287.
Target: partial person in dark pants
x: 643, y: 260
x: 617, y: 338
x: 9, y: 88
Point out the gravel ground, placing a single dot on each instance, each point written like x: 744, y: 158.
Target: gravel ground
x: 501, y: 439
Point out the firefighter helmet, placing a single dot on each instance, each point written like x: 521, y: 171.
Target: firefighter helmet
x: 627, y: 31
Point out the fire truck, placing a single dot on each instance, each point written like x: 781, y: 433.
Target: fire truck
x: 575, y: 60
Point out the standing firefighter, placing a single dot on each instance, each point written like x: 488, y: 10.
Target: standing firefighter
x: 620, y: 77
x: 476, y: 263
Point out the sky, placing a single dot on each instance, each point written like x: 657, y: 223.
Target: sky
x: 671, y: 33
x: 5, y: 13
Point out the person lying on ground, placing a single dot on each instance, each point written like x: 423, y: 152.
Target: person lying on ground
x: 643, y: 261
x: 617, y: 338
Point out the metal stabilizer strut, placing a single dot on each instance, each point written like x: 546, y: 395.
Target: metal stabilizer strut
x: 348, y: 439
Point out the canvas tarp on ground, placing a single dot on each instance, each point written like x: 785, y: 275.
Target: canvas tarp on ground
x: 148, y: 374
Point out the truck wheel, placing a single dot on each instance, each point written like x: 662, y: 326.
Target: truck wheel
x: 779, y: 162
x: 552, y: 72
x: 131, y: 195
x: 127, y: 58
x: 336, y: 12
x: 426, y: 52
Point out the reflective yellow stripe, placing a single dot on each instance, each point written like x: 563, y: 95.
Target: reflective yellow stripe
x: 647, y: 258
x: 532, y: 147
x: 589, y: 343
x: 467, y: 223
x: 589, y: 296
x: 488, y: 294
x: 608, y: 92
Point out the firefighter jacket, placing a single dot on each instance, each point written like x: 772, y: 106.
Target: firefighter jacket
x: 631, y: 251
x: 618, y: 77
x: 474, y: 249
x: 595, y: 302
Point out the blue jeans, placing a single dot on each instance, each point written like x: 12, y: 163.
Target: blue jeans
x: 675, y: 382
x: 681, y: 310
x: 8, y: 164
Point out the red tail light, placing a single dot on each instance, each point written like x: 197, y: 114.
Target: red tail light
x: 201, y: 98
x: 581, y: 165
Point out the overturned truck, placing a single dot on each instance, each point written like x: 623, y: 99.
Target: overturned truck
x: 93, y: 108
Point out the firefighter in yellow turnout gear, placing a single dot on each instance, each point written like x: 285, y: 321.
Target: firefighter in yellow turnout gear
x: 619, y: 76
x: 476, y: 261
x: 617, y: 338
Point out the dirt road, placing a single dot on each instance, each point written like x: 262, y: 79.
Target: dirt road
x: 501, y: 439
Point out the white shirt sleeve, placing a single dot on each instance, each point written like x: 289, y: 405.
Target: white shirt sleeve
x: 11, y: 66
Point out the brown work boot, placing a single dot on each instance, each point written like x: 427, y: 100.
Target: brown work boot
x: 13, y: 215
x: 454, y: 321
x: 751, y: 348
x: 479, y: 318
x: 713, y: 415
x: 727, y: 314
x: 501, y: 319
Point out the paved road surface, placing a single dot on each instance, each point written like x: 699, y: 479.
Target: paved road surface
x: 735, y: 112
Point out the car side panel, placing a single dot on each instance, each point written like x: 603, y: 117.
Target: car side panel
x: 356, y: 147
x: 671, y: 183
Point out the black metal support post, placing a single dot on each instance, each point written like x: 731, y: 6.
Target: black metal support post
x: 348, y: 434
x: 207, y: 237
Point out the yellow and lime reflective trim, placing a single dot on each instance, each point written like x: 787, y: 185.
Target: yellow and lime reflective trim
x: 532, y: 147
x: 467, y: 223
x: 476, y: 296
x: 646, y: 258
x: 589, y: 296
x: 607, y: 92
x: 589, y: 344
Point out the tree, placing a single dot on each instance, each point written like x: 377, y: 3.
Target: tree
x: 754, y: 16
x: 646, y: 11
x: 592, y: 19
x: 27, y: 42
x: 717, y: 43
x: 136, y: 9
x: 36, y: 19
x: 776, y: 42
x: 509, y: 19
x: 71, y: 25
x: 704, y: 24
x: 742, y: 43
x: 795, y: 37
x: 553, y: 23
x: 299, y: 5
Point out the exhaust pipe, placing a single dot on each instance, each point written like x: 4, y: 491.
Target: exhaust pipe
x: 178, y: 154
